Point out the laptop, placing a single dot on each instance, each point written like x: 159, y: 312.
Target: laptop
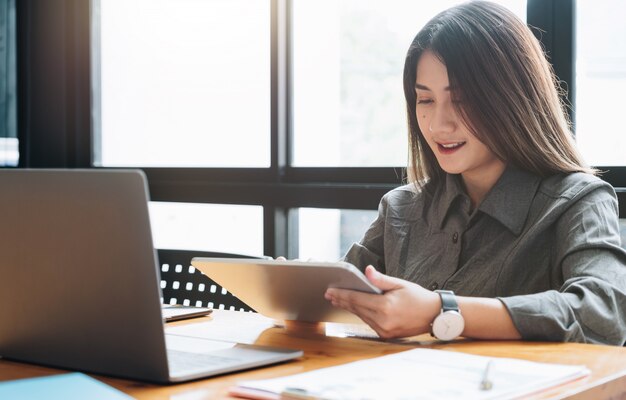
x: 79, y: 282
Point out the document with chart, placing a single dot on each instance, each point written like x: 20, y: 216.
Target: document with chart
x: 425, y: 373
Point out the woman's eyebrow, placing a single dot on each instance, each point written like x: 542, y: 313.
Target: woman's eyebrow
x: 424, y: 87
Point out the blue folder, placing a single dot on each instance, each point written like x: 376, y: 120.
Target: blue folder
x: 72, y: 386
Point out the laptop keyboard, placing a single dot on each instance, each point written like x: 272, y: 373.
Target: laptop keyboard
x: 185, y: 361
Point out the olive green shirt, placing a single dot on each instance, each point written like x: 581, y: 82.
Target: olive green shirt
x: 548, y: 248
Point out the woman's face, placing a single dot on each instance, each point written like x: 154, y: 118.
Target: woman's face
x: 456, y: 149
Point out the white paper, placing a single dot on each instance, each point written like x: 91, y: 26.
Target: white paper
x: 227, y: 326
x: 424, y: 374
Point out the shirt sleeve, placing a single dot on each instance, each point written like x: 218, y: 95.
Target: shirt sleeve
x: 590, y: 304
x: 370, y: 249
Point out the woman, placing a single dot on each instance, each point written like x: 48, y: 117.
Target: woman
x: 503, y: 214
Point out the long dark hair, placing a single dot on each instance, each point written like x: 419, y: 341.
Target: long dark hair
x: 508, y: 91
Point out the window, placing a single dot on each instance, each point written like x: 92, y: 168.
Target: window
x: 9, y: 154
x: 601, y: 81
x: 182, y: 83
x: 327, y: 234
x: 348, y: 101
x: 207, y: 227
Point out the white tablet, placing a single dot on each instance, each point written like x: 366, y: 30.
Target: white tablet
x: 287, y: 290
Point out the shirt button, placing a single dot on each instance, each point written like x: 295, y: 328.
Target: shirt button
x: 455, y: 237
x: 433, y: 286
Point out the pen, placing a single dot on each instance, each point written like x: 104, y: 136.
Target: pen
x: 485, y: 382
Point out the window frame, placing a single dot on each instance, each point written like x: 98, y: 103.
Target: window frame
x: 55, y: 118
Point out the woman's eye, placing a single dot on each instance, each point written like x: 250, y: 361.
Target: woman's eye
x: 424, y: 101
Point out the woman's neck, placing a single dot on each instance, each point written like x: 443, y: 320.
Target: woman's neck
x: 478, y: 185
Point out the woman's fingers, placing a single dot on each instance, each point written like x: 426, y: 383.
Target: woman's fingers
x: 370, y: 308
x: 372, y: 317
x: 369, y: 316
x: 382, y: 281
x: 351, y: 299
x: 382, y: 311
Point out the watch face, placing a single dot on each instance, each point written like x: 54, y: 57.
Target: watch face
x: 448, y: 325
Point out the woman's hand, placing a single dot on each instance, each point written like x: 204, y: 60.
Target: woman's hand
x: 404, y: 308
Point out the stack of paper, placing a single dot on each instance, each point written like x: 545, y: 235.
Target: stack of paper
x: 418, y: 373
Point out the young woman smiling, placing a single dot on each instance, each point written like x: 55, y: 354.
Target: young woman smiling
x: 505, y: 233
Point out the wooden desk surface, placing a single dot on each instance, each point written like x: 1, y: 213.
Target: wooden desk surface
x: 607, y: 363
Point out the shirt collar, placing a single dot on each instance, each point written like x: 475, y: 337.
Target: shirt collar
x: 508, y: 201
x: 447, y: 193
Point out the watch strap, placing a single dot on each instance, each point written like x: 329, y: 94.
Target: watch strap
x: 448, y: 300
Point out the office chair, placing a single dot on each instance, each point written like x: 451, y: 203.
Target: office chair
x: 183, y: 284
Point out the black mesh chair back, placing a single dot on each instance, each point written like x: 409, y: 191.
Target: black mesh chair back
x: 181, y: 283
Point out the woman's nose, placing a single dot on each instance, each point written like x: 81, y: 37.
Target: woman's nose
x: 443, y: 120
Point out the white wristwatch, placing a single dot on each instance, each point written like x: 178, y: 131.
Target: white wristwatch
x: 449, y: 323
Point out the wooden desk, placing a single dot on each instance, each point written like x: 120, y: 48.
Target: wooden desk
x: 607, y: 363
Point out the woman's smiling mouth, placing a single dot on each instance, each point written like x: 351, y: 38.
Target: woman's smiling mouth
x: 449, y: 148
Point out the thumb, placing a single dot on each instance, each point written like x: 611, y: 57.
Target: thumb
x: 382, y: 281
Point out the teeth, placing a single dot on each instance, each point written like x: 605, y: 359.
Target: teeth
x: 452, y: 145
